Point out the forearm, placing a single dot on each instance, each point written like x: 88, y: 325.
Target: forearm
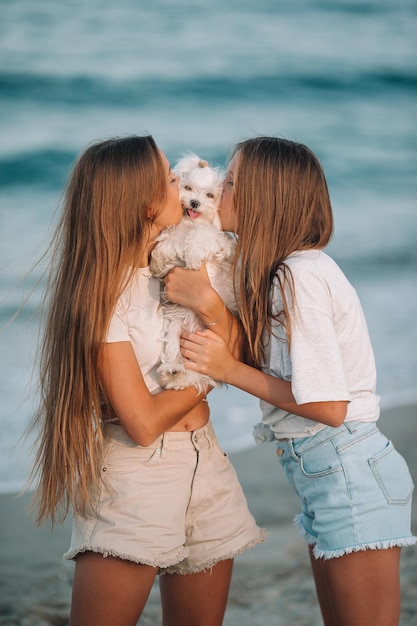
x: 147, y: 420
x: 216, y: 317
x: 278, y: 392
x: 207, y: 353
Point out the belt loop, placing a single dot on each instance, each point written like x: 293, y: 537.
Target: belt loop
x: 292, y: 451
x: 350, y: 428
x: 208, y: 437
x: 162, y: 446
x: 194, y: 439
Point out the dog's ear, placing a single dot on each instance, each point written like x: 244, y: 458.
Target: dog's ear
x: 202, y: 163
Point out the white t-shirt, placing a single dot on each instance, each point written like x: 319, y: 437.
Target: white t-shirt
x: 331, y: 356
x: 138, y: 318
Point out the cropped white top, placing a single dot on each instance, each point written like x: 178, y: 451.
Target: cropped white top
x: 138, y: 318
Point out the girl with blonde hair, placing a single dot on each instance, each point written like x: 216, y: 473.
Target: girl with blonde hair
x: 140, y: 468
x: 308, y: 357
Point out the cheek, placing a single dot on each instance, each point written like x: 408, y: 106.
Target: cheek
x: 174, y: 197
x: 228, y: 218
x: 225, y: 200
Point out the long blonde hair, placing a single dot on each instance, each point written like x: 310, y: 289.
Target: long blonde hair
x: 103, y: 228
x: 282, y: 205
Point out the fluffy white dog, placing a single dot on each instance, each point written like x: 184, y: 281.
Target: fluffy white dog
x: 195, y: 240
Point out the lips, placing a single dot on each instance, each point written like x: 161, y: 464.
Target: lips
x: 193, y: 214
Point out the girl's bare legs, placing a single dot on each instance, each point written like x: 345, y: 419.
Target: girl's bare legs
x: 322, y: 590
x: 360, y: 588
x: 196, y: 599
x: 109, y: 591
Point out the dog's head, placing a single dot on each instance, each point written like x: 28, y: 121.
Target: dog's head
x: 200, y: 188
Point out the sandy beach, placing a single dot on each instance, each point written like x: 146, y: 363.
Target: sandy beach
x: 271, y: 586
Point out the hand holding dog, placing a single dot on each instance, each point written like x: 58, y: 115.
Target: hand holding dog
x: 190, y: 288
x: 207, y: 353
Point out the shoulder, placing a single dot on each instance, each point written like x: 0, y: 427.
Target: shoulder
x: 315, y: 265
x: 317, y: 278
x: 314, y: 261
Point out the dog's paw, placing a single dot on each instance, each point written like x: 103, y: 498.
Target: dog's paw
x: 176, y: 376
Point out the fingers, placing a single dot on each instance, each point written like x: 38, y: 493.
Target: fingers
x: 201, y: 336
x: 193, y: 359
x: 190, y: 349
x: 194, y: 348
x: 191, y: 341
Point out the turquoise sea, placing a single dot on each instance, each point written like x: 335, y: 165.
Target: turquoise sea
x: 340, y: 76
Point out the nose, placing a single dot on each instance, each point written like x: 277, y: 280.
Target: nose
x: 194, y: 204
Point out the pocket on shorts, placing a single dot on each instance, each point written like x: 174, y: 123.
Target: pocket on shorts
x: 320, y: 460
x: 124, y: 458
x: 392, y: 475
x: 221, y: 454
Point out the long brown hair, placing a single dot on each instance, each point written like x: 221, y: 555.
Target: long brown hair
x: 282, y: 205
x: 103, y: 227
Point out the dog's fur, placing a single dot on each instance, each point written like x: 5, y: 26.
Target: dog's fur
x: 195, y: 240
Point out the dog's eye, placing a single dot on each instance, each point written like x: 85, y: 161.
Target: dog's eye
x: 187, y: 188
x: 210, y: 195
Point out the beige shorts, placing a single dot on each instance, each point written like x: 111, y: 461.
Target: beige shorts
x: 176, y: 505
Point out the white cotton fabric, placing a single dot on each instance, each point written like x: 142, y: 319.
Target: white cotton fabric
x: 138, y: 319
x: 331, y: 356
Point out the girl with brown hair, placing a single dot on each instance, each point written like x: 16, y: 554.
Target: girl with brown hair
x: 150, y: 490
x: 308, y: 357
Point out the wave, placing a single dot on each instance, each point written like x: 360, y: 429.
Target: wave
x: 371, y: 263
x: 45, y: 169
x: 88, y: 91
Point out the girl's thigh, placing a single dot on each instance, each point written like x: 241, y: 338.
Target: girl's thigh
x: 363, y: 587
x: 109, y: 591
x: 198, y: 599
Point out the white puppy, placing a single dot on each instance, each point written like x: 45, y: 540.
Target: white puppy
x: 195, y: 240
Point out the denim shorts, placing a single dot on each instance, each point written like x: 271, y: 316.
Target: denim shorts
x: 176, y: 504
x: 355, y: 489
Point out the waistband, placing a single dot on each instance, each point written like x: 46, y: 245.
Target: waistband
x: 204, y: 437
x: 287, y: 448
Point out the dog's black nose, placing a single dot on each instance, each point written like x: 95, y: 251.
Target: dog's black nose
x: 194, y: 204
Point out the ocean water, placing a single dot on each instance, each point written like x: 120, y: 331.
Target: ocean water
x: 338, y: 75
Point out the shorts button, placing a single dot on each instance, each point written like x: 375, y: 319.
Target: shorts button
x: 280, y: 451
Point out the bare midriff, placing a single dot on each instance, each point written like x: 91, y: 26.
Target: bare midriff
x: 195, y: 419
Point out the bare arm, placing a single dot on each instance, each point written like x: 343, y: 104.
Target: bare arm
x: 207, y: 353
x: 192, y: 288
x: 144, y: 416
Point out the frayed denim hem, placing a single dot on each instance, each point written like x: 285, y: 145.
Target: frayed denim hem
x: 298, y: 523
x: 334, y: 554
x: 208, y: 565
x: 376, y: 545
x: 105, y: 552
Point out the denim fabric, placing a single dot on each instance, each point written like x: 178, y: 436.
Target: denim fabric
x: 355, y: 489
